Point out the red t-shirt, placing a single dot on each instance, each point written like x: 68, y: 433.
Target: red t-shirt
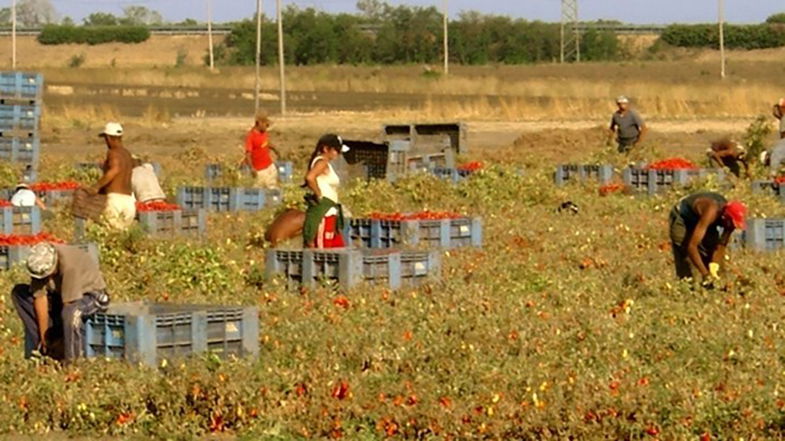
x: 257, y: 144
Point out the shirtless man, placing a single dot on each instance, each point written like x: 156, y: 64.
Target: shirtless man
x: 116, y: 181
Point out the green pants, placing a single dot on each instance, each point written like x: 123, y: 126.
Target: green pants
x: 680, y: 238
x: 314, y: 215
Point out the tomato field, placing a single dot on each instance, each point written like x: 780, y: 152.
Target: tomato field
x: 563, y: 326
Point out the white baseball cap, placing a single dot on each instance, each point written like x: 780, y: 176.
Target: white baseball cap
x: 112, y: 129
x: 622, y: 100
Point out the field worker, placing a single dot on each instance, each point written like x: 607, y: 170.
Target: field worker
x: 25, y: 197
x: 695, y: 224
x: 627, y: 126
x: 116, y: 181
x: 774, y: 158
x: 324, y: 216
x: 729, y: 154
x: 779, y: 113
x: 144, y: 183
x: 257, y: 154
x: 66, y: 288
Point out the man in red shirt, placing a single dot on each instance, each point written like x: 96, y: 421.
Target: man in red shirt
x: 257, y: 154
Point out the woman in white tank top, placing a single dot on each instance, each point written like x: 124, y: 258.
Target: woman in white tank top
x: 321, y: 219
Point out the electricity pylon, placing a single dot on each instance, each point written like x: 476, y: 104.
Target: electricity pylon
x: 570, y: 34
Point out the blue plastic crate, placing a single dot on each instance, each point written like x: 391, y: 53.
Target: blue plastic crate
x: 20, y: 220
x: 765, y: 234
x: 465, y: 232
x: 601, y: 173
x: 20, y: 150
x: 56, y: 197
x: 226, y: 199
x: 285, y: 170
x: 659, y: 181
x: 343, y: 267
x: 173, y: 222
x: 16, y: 117
x: 453, y: 175
x: 444, y: 233
x: 150, y: 333
x: 17, y: 254
x: 418, y: 267
x: 382, y: 267
x: 21, y: 86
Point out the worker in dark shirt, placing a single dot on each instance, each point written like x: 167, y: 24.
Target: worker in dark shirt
x: 627, y: 126
x: 729, y: 155
x: 701, y: 226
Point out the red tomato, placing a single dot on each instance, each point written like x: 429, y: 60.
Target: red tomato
x: 672, y: 164
x: 156, y: 206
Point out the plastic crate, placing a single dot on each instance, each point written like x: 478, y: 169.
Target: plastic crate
x: 453, y: 175
x: 343, y: 267
x: 382, y: 267
x: 12, y: 255
x: 54, y: 197
x: 20, y: 220
x: 16, y: 117
x: 418, y: 267
x: 173, y: 222
x: 430, y: 138
x: 225, y: 199
x: 446, y: 233
x: 601, y: 173
x: 765, y: 234
x: 21, y: 86
x: 20, y: 150
x: 285, y: 171
x: 658, y: 181
x: 428, y: 162
x: 150, y: 333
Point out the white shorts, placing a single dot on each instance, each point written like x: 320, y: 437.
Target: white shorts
x: 120, y: 211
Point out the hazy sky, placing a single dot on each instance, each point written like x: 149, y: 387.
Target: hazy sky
x: 632, y: 11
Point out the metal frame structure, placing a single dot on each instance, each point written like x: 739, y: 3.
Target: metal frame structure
x: 570, y: 32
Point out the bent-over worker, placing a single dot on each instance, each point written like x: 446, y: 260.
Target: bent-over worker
x: 25, y: 197
x: 729, y: 154
x: 66, y: 288
x: 695, y: 225
x: 145, y: 184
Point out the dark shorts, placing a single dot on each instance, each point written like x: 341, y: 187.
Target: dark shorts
x: 625, y: 145
x: 680, y: 237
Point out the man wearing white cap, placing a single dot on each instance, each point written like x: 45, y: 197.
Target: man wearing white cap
x: 779, y: 113
x: 116, y: 181
x: 66, y: 287
x: 627, y: 126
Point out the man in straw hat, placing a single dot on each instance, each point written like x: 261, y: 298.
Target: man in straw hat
x: 627, y: 126
x: 257, y: 154
x: 66, y: 288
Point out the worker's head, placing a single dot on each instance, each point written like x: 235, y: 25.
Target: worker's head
x: 734, y: 215
x: 781, y: 103
x: 330, y: 146
x: 112, y: 134
x: 765, y: 158
x: 42, y: 261
x: 623, y: 102
x: 262, y: 122
x: 22, y: 186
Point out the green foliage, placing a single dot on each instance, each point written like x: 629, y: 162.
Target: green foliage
x: 101, y: 19
x: 56, y: 34
x: 736, y: 37
x: 77, y: 60
x: 778, y: 18
x: 599, y: 45
x: 386, y: 34
x: 756, y: 136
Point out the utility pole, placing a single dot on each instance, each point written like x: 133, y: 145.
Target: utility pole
x: 570, y: 38
x: 13, y: 34
x: 721, y: 4
x: 210, y: 33
x: 281, y: 57
x: 446, y: 39
x: 258, y: 53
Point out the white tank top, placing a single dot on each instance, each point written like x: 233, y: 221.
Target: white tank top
x: 328, y: 183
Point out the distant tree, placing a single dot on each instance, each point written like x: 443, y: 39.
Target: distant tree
x: 140, y: 15
x: 372, y: 9
x: 35, y: 12
x: 101, y: 19
x: 776, y: 18
x: 188, y: 22
x: 5, y: 16
x: 67, y: 21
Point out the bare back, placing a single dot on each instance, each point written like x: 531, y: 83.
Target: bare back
x: 120, y: 159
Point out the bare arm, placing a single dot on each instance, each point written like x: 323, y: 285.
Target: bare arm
x: 777, y: 112
x: 112, y: 170
x: 41, y: 307
x: 719, y: 253
x: 709, y: 212
x: 317, y: 170
x: 642, y: 134
x: 39, y: 203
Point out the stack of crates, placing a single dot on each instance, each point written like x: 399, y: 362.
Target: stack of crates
x: 370, y: 160
x: 660, y: 181
x: 173, y: 222
x: 601, y: 173
x: 20, y: 113
x: 227, y: 199
x: 430, y: 138
x: 150, y: 333
x: 348, y: 268
x: 764, y: 234
x: 443, y: 233
x: 285, y: 171
x: 11, y: 255
x: 20, y: 220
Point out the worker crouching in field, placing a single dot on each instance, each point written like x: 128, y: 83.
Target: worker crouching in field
x: 695, y: 224
x: 730, y: 155
x: 144, y: 183
x: 116, y: 181
x: 66, y: 288
x: 324, y: 216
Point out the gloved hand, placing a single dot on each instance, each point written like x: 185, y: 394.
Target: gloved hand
x: 714, y: 270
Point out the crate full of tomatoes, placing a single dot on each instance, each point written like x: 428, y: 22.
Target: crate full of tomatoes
x: 664, y: 175
x: 55, y: 192
x: 164, y: 219
x: 426, y: 229
x: 14, y: 248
